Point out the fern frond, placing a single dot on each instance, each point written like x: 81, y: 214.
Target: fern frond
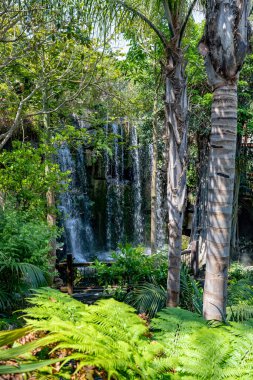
x: 240, y: 312
x: 190, y: 292
x: 241, y: 290
x: 107, y: 335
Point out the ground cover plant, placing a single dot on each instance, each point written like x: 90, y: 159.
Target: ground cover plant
x: 63, y: 338
x: 140, y: 280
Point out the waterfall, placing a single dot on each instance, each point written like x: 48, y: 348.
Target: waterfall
x: 160, y: 213
x: 160, y: 217
x: 75, y: 205
x: 115, y: 190
x: 137, y: 193
x: 85, y: 202
x: 106, y: 198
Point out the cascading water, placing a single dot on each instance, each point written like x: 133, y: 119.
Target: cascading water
x: 160, y: 213
x: 105, y: 200
x: 160, y: 217
x: 108, y: 198
x: 85, y: 202
x: 115, y: 190
x: 137, y: 190
x: 75, y: 205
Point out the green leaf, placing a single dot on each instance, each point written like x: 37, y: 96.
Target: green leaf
x: 28, y: 367
x: 9, y: 337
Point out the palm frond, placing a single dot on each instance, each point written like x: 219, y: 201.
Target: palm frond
x: 148, y: 298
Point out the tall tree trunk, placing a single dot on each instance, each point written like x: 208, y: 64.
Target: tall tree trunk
x: 220, y: 199
x: 224, y: 46
x: 198, y: 230
x: 50, y: 196
x: 176, y: 108
x: 153, y: 229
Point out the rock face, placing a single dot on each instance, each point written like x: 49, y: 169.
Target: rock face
x: 107, y: 201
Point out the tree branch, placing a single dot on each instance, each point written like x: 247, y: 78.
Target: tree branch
x: 146, y: 20
x: 6, y: 136
x: 186, y: 21
x: 169, y: 18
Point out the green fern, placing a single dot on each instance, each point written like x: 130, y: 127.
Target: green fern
x: 239, y: 313
x: 240, y: 300
x: 241, y: 290
x: 196, y: 350
x: 110, y: 337
x: 191, y: 294
x: 149, y: 298
x: 107, y: 335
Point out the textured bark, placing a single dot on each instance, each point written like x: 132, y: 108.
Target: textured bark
x: 224, y: 47
x: 220, y: 199
x: 51, y: 217
x: 51, y: 220
x: 198, y: 231
x: 176, y: 108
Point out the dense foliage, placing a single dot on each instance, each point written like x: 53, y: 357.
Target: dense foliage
x: 109, y: 340
x: 25, y: 261
x: 62, y: 82
x: 140, y: 280
x: 131, y: 266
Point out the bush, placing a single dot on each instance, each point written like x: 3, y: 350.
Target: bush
x: 24, y: 238
x: 132, y: 266
x: 141, y: 280
x: 240, y: 293
x: 24, y: 255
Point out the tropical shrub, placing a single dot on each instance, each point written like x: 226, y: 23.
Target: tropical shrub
x: 131, y: 266
x: 149, y: 298
x: 141, y: 279
x: 24, y: 238
x: 24, y: 255
x: 26, y: 174
x: 240, y: 293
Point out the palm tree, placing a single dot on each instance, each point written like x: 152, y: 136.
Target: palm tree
x: 224, y: 46
x: 168, y: 20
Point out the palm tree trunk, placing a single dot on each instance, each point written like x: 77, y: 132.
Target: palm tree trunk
x: 220, y: 199
x: 176, y: 108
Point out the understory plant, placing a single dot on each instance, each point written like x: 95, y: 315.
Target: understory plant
x: 150, y: 297
x: 131, y: 266
x: 196, y: 350
x: 140, y: 280
x: 24, y: 255
x: 240, y: 293
x: 108, y: 338
x: 65, y: 339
